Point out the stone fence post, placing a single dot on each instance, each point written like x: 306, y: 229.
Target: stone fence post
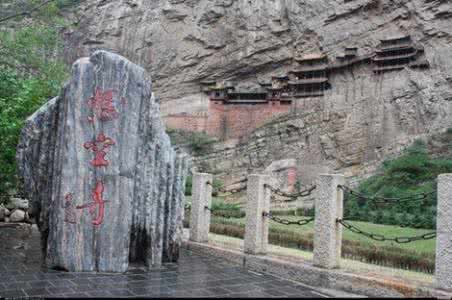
x: 258, y: 203
x: 443, y: 264
x: 327, y: 232
x: 200, y: 205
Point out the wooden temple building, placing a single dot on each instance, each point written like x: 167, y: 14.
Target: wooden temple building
x: 227, y: 94
x: 396, y: 53
x: 234, y: 112
x: 310, y: 77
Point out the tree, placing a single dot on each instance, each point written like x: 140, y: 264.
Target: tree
x: 412, y: 173
x: 31, y: 72
x: 27, y: 12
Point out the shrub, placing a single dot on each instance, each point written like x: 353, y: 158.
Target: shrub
x: 217, y: 185
x: 199, y: 142
x: 229, y: 214
x: 405, y: 220
x: 378, y: 216
x: 310, y: 212
x: 287, y: 212
x: 30, y: 74
x: 298, y: 185
x: 417, y: 221
x: 391, y: 218
x: 221, y: 205
x: 412, y: 173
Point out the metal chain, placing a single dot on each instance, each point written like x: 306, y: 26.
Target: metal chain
x: 417, y: 197
x: 217, y: 213
x: 382, y: 238
x: 293, y: 196
x: 300, y: 222
x: 234, y: 191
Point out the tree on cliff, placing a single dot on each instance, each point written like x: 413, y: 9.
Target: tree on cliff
x: 31, y: 71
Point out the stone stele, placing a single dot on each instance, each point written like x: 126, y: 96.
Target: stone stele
x: 105, y: 185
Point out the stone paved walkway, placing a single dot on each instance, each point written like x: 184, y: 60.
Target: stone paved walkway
x: 194, y: 276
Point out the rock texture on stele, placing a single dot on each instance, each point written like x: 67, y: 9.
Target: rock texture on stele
x: 106, y: 186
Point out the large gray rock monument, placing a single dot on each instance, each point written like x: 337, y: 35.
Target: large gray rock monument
x: 104, y: 182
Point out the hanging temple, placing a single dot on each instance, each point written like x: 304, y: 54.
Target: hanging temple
x: 234, y: 112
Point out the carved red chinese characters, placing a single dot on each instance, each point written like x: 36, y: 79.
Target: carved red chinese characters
x: 102, y: 105
x: 98, y: 202
x: 99, y: 147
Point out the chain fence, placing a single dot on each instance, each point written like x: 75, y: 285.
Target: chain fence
x: 382, y: 238
x: 291, y: 196
x: 227, y: 214
x: 345, y: 223
x: 386, y: 200
x: 300, y: 222
x: 232, y: 191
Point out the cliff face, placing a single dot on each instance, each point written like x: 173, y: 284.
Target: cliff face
x: 363, y: 118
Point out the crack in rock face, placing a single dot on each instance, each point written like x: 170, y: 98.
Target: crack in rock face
x: 106, y: 186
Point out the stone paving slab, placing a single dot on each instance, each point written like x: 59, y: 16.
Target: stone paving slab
x: 194, y: 276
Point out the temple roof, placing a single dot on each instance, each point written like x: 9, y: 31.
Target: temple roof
x: 389, y: 68
x: 392, y: 47
x: 265, y: 83
x: 395, y: 57
x: 280, y: 76
x: 275, y: 88
x: 395, y: 38
x: 308, y: 81
x: 208, y: 82
x: 253, y: 90
x: 307, y: 69
x: 245, y: 101
x: 218, y: 88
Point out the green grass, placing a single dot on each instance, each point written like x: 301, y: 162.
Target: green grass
x: 417, y: 256
x: 427, y: 246
x: 216, y: 201
x: 386, y: 230
x: 414, y: 172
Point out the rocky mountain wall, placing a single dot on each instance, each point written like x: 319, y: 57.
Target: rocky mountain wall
x: 360, y: 121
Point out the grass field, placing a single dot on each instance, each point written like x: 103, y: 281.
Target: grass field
x: 417, y: 256
x: 427, y: 247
